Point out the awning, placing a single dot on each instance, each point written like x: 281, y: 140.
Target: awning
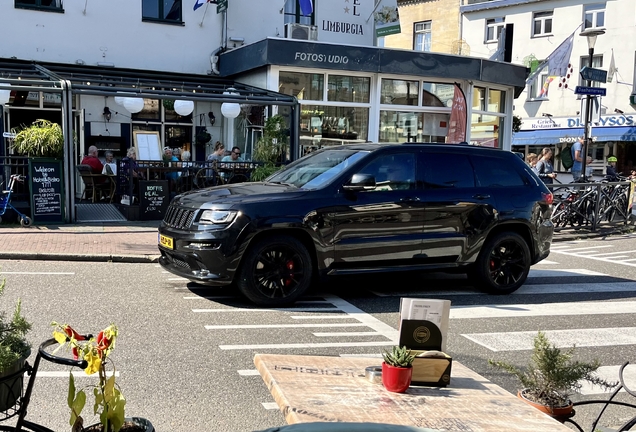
x: 556, y: 136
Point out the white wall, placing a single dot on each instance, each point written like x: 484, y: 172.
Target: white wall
x: 620, y: 25
x: 111, y: 32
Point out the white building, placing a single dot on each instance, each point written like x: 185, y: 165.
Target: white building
x: 550, y: 110
x: 85, y: 54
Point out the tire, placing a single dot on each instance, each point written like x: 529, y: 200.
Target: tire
x: 26, y: 221
x: 503, y: 264
x: 275, y: 271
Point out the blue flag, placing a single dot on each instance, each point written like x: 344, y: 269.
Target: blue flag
x: 306, y: 7
x: 199, y: 3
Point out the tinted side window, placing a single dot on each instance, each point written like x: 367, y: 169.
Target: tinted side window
x: 496, y: 172
x: 392, y: 171
x: 442, y: 170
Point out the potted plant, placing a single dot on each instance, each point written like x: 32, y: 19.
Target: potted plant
x: 552, y: 376
x: 109, y: 401
x: 397, y: 369
x: 14, y: 350
x: 42, y: 139
x: 271, y: 149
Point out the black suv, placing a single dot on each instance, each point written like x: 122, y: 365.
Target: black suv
x: 362, y: 209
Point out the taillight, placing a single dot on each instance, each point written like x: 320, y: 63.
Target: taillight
x: 548, y: 198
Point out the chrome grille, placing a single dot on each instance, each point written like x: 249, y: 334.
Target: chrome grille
x: 178, y: 217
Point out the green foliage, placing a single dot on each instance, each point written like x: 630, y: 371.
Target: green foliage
x: 271, y: 149
x: 552, y: 376
x: 399, y: 357
x: 168, y: 104
x: 13, y: 344
x: 260, y: 173
x: 42, y: 139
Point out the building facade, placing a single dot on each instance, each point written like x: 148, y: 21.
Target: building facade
x: 551, y: 112
x: 262, y: 55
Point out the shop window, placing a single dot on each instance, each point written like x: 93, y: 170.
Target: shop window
x: 167, y: 11
x: 44, y: 5
x: 332, y: 125
x: 405, y: 126
x: 597, y: 62
x: 494, y: 27
x: 293, y: 13
x: 479, y: 98
x: 437, y: 94
x: 496, y: 102
x: 422, y: 36
x: 150, y: 111
x: 486, y: 130
x: 304, y: 86
x: 594, y: 16
x: 348, y: 89
x: 542, y: 23
x: 399, y: 92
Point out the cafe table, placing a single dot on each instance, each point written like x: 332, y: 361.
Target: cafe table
x: 335, y: 389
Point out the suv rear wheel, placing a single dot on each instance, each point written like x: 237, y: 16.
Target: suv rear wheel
x: 275, y: 271
x: 503, y: 264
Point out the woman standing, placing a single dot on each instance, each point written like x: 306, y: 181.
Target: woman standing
x: 544, y: 167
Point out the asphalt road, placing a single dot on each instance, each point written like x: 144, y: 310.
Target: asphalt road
x: 185, y: 353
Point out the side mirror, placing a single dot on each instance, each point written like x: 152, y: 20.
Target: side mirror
x: 360, y: 182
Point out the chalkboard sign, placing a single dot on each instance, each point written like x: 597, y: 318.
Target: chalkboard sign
x: 153, y: 199
x: 47, y: 190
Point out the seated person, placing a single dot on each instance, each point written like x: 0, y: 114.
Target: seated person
x: 129, y: 170
x: 93, y: 161
x: 234, y: 156
x: 610, y: 171
x: 167, y: 158
x: 110, y: 167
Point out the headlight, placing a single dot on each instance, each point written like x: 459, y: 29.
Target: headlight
x: 217, y: 216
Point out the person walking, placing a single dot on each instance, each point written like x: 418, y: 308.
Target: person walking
x: 544, y: 167
x: 532, y: 159
x: 577, y: 157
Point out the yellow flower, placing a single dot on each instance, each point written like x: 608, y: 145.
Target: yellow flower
x: 94, y: 362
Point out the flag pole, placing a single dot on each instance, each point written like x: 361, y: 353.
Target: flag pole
x: 204, y: 12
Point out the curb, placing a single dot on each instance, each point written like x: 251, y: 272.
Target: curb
x: 45, y: 256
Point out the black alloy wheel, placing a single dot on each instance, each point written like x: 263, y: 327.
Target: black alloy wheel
x: 503, y: 264
x: 275, y: 271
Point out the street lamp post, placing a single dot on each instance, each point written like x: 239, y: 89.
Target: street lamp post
x: 591, y: 35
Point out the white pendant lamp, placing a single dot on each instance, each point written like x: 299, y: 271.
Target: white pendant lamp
x: 134, y: 105
x: 183, y: 107
x: 5, y: 95
x: 119, y: 100
x: 229, y: 109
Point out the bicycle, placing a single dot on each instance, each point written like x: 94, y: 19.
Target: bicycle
x: 13, y: 385
x: 5, y: 201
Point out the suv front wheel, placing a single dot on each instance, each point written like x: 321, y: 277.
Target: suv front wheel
x: 275, y: 271
x: 503, y: 264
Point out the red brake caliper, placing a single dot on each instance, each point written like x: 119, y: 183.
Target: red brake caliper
x: 290, y: 267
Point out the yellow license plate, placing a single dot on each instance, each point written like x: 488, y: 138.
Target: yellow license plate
x: 166, y: 241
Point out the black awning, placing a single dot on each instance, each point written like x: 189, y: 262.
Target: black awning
x: 108, y: 81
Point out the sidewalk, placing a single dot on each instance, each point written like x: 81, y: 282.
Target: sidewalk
x: 132, y: 242
x: 136, y: 242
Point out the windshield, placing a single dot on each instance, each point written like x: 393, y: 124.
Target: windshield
x: 318, y: 169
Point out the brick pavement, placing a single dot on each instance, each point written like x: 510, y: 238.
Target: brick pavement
x: 127, y: 242
x: 137, y: 241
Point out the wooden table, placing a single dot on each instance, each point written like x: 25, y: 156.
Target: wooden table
x: 334, y: 389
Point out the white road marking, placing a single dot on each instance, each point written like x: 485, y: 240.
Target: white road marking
x: 371, y: 321
x: 630, y: 264
x: 178, y: 279
x: 546, y: 309
x: 248, y: 372
x: 319, y: 317
x: 37, y: 273
x: 279, y: 326
x: 610, y: 374
x: 265, y: 310
x: 536, y: 273
x: 547, y: 262
x: 270, y: 405
x: 337, y: 334
x: 612, y: 253
x: 308, y: 345
x: 519, y: 341
x: 582, y: 249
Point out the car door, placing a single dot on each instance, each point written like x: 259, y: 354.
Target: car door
x: 380, y: 227
x: 456, y: 211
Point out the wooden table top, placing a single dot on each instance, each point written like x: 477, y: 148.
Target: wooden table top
x: 334, y: 389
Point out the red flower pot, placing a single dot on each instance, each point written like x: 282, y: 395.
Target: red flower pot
x: 396, y: 379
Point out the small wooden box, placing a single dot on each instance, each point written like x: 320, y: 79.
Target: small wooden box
x: 431, y: 371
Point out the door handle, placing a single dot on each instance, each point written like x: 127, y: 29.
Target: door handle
x: 481, y: 197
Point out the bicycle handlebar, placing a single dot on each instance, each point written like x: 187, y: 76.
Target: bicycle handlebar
x: 82, y: 364
x: 620, y: 377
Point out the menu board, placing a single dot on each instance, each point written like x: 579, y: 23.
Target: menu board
x: 148, y: 145
x: 45, y: 182
x: 153, y: 199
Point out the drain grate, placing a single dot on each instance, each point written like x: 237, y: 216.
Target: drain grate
x: 98, y: 213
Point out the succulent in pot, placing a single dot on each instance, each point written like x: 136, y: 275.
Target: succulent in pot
x: 397, y: 369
